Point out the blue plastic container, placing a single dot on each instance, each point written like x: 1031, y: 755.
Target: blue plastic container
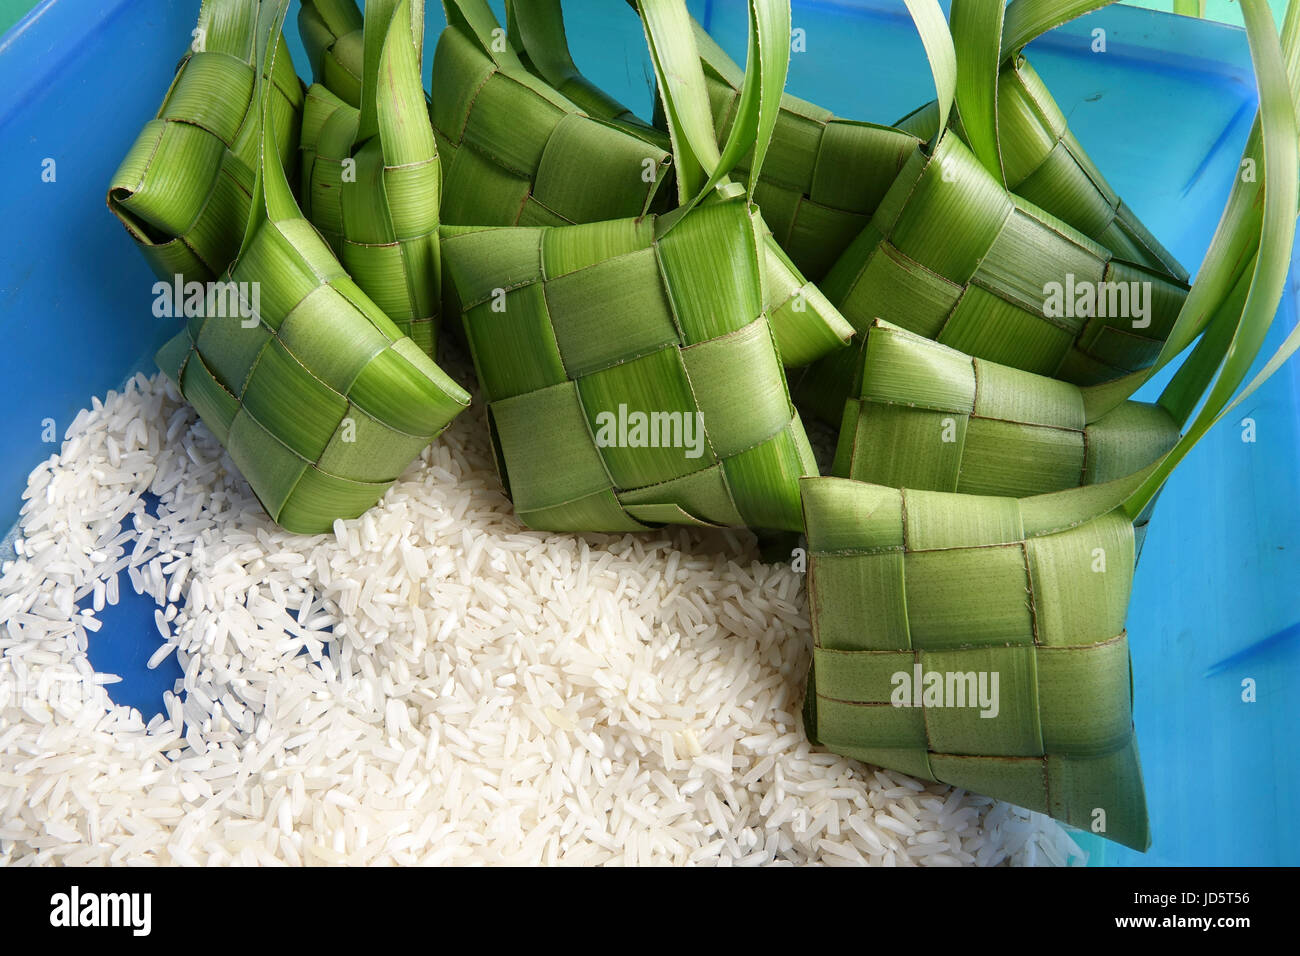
x: 1164, y: 111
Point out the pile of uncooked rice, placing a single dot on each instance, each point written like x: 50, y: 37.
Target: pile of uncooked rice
x: 430, y: 684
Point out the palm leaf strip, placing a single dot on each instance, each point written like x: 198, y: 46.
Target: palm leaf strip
x: 372, y: 181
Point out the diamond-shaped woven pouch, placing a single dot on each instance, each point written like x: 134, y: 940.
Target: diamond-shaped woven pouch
x: 823, y: 176
x: 576, y: 331
x: 183, y: 189
x: 806, y: 325
x: 510, y: 144
x: 372, y: 181
x: 321, y: 402
x: 569, y: 325
x: 1025, y: 139
x: 1046, y: 165
x: 952, y: 256
x: 928, y: 417
x: 908, y: 584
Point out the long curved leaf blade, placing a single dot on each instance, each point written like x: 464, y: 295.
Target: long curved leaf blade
x: 1281, y: 198
x: 976, y: 34
x: 1029, y: 19
x: 937, y: 41
x: 681, y: 88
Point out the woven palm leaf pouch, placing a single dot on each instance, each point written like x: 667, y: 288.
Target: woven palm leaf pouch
x: 806, y: 325
x: 927, y: 417
x: 950, y: 254
x: 823, y: 176
x: 631, y: 371
x: 1021, y: 135
x: 510, y: 143
x: 372, y: 181
x: 979, y: 640
x: 315, y: 393
x: 184, y: 188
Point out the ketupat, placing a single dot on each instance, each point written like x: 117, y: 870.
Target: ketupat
x: 371, y: 179
x: 183, y: 189
x: 806, y: 325
x: 321, y: 401
x: 907, y: 584
x: 951, y: 255
x: 828, y: 174
x: 831, y: 173
x: 824, y: 176
x: 922, y: 235
x: 1022, y: 137
x: 575, y: 329
x: 517, y: 152
x: 1007, y: 591
x: 930, y: 418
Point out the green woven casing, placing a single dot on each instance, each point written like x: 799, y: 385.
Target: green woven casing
x: 905, y: 584
x: 324, y: 403
x: 375, y: 198
x: 317, y: 396
x: 928, y: 417
x: 569, y: 324
x: 182, y: 192
x: 806, y: 325
x: 512, y: 147
x: 823, y: 177
x: 952, y: 256
x: 1044, y: 164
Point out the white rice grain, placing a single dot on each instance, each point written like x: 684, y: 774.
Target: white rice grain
x: 472, y: 691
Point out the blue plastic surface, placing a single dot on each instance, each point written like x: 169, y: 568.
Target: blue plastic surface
x: 1164, y: 111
